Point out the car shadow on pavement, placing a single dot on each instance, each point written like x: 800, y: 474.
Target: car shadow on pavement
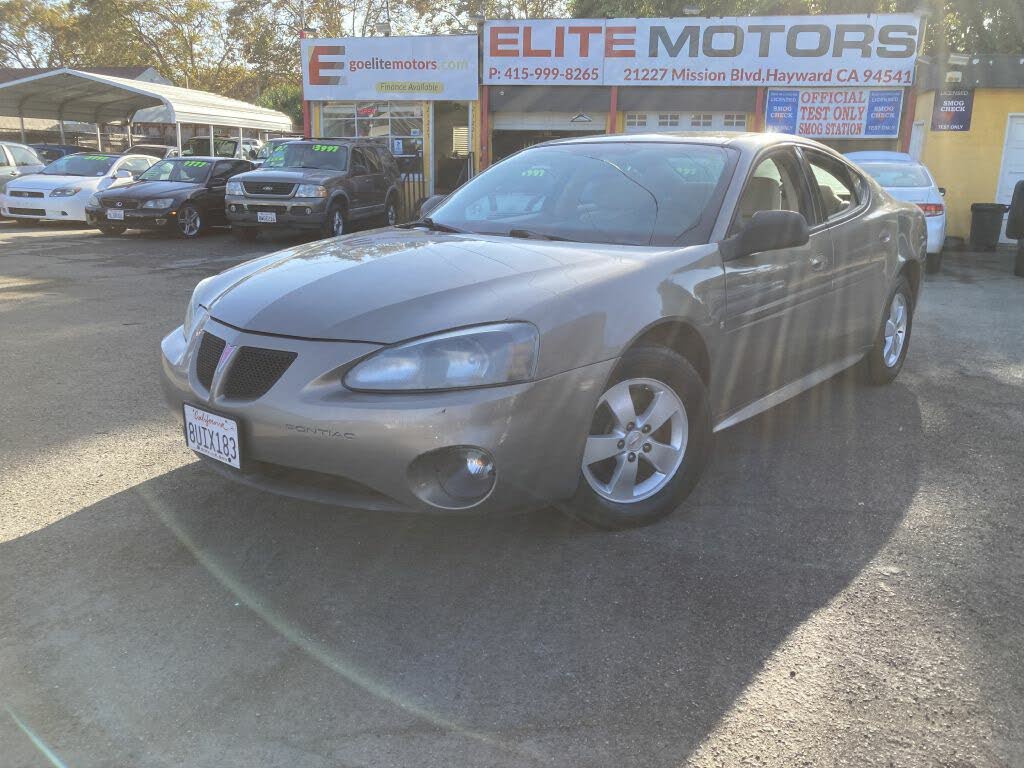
x: 190, y: 621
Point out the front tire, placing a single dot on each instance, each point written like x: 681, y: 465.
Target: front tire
x: 189, y: 222
x: 647, y: 444
x: 336, y: 222
x: 390, y: 217
x: 885, y: 360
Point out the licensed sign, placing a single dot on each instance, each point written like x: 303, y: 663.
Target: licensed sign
x: 835, y: 113
x: 952, y: 109
x: 423, y: 67
x: 863, y: 50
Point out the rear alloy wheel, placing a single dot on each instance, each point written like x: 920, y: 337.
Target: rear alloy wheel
x: 885, y: 360
x: 112, y: 230
x: 336, y: 223
x: 390, y: 213
x: 648, y: 441
x: 189, y: 223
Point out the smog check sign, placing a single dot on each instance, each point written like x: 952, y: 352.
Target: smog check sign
x: 862, y: 50
x: 834, y: 113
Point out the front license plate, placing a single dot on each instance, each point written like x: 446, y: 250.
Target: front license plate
x: 212, y: 435
x: 115, y: 215
x: 266, y: 217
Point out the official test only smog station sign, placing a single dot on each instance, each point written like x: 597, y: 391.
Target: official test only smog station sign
x: 861, y: 50
x: 428, y: 67
x: 835, y: 113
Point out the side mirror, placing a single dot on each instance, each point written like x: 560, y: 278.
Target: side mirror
x: 767, y: 231
x: 124, y: 173
x: 430, y: 204
x: 942, y: 191
x: 1015, y: 219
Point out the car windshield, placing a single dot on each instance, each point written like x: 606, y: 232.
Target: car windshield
x: 627, y: 194
x: 190, y: 171
x: 200, y: 145
x: 80, y: 165
x: 332, y: 157
x: 898, y: 174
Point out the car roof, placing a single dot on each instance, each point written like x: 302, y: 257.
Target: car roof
x: 208, y: 158
x: 881, y: 156
x: 738, y: 139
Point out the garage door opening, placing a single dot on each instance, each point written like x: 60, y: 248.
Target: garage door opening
x: 505, y: 143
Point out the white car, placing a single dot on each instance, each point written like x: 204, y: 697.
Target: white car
x: 61, y: 190
x: 907, y: 179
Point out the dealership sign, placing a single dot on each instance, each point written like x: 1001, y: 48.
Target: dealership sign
x: 834, y: 113
x: 396, y: 68
x: 952, y: 109
x: 879, y: 49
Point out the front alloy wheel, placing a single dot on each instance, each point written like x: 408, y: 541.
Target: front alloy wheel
x: 647, y: 443
x: 190, y: 223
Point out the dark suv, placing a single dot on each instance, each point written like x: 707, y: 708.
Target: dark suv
x: 322, y: 184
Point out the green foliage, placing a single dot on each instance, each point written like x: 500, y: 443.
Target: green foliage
x: 284, y: 97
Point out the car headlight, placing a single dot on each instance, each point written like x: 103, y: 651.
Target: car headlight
x: 195, y: 314
x: 482, y: 356
x: 235, y: 188
x: 310, y: 190
x: 92, y: 202
x: 65, y: 192
x: 159, y: 202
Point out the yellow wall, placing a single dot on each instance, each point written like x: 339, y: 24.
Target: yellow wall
x: 967, y: 163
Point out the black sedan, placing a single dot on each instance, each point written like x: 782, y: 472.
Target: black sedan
x: 184, y: 195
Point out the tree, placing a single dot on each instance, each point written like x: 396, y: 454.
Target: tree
x: 285, y: 97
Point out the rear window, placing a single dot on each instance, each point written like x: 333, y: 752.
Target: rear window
x: 898, y: 175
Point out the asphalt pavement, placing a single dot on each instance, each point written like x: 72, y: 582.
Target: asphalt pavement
x: 844, y: 587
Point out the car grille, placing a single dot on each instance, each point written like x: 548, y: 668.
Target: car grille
x: 268, y: 208
x: 28, y: 211
x: 276, y: 188
x: 127, y: 205
x: 254, y: 371
x: 210, y: 349
x: 25, y: 193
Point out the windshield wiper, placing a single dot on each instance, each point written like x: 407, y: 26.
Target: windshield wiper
x: 529, y: 234
x: 432, y: 225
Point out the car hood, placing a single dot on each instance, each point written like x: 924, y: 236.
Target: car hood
x: 147, y: 189
x: 41, y: 182
x: 389, y: 285
x: 291, y: 175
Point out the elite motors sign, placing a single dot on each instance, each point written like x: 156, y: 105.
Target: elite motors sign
x: 868, y: 50
x: 397, y: 68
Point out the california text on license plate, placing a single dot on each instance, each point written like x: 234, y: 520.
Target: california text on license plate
x: 212, y: 435
x: 266, y: 217
x: 115, y: 214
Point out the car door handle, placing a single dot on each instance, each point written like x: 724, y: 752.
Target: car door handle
x: 884, y: 237
x: 818, y: 262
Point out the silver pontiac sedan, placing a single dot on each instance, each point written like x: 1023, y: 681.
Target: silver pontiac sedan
x: 569, y: 328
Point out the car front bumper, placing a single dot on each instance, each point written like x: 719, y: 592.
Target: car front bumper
x: 135, y: 218
x: 290, y: 212
x: 309, y: 437
x: 44, y: 208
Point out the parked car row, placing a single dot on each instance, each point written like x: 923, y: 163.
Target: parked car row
x: 323, y: 185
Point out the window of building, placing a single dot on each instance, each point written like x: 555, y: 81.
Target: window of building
x: 700, y: 120
x: 399, y: 123
x: 735, y: 120
x: 636, y: 120
x: 668, y: 120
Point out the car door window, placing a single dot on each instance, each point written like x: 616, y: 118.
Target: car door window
x: 136, y: 164
x: 5, y: 159
x: 23, y: 156
x: 775, y: 185
x: 359, y: 165
x: 372, y: 161
x: 840, y: 190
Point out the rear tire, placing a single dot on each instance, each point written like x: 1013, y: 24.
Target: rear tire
x: 637, y: 472
x: 885, y: 360
x: 112, y: 230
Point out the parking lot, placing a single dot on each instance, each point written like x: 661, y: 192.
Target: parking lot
x: 843, y: 587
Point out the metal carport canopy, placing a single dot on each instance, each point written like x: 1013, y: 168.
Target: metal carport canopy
x: 69, y: 94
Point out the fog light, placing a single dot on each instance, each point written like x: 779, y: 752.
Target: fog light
x: 232, y: 207
x: 453, y: 478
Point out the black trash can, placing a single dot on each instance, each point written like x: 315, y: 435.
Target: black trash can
x: 986, y: 224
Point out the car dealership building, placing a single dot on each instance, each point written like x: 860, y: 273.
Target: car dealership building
x: 450, y: 105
